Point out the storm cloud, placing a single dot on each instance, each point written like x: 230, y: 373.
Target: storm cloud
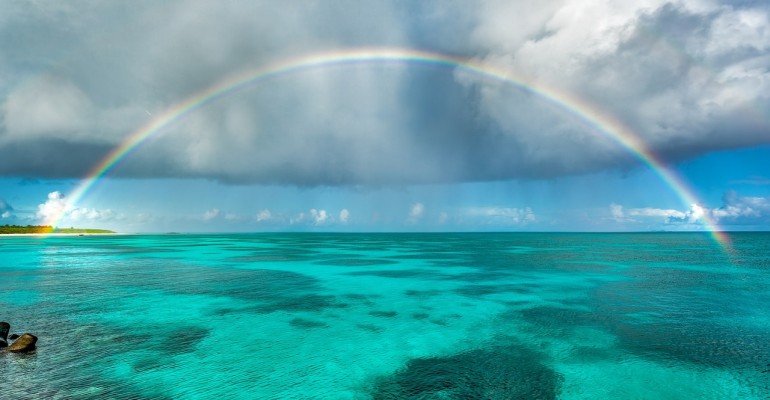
x: 77, y: 78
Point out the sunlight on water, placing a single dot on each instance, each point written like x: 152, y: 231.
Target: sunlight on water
x: 388, y: 316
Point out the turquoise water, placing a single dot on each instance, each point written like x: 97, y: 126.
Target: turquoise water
x: 388, y: 316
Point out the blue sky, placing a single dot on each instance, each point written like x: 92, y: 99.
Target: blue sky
x: 393, y: 147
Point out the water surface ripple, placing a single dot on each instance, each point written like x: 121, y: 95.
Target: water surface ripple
x: 388, y: 316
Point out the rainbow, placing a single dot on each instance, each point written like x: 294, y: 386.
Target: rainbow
x: 604, y: 123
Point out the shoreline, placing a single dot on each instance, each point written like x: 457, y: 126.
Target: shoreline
x: 62, y: 234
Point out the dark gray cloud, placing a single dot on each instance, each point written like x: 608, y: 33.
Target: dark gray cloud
x: 50, y: 157
x: 78, y: 77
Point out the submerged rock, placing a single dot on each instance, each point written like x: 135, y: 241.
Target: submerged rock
x: 13, y: 337
x: 4, y: 328
x: 24, y: 343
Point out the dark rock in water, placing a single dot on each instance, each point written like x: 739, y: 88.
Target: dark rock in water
x: 24, y: 343
x: 3, y: 344
x: 4, y: 328
x: 13, y: 337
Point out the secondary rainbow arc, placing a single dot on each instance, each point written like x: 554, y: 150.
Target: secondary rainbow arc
x: 604, y: 123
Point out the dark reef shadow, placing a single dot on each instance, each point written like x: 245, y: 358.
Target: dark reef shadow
x: 499, y: 372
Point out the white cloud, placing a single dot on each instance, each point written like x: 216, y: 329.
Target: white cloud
x: 657, y: 212
x: 319, y: 216
x: 696, y: 213
x: 742, y: 209
x: 57, y: 211
x: 693, y: 216
x: 5, y: 209
x: 53, y: 209
x: 344, y: 216
x: 502, y: 215
x: 300, y: 218
x: 92, y: 214
x: 211, y: 214
x: 316, y: 217
x: 735, y: 209
x: 617, y: 212
x: 416, y: 212
x: 264, y: 215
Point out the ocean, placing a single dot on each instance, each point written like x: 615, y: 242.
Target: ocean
x: 388, y: 316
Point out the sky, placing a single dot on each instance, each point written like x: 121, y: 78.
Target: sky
x: 611, y: 115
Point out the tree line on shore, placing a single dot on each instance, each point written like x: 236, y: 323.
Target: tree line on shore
x: 20, y: 229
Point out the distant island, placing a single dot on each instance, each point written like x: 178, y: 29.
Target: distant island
x: 38, y: 229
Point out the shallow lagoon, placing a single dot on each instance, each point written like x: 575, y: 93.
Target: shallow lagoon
x: 388, y: 316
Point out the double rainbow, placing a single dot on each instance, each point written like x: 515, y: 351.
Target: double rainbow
x: 603, y: 123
